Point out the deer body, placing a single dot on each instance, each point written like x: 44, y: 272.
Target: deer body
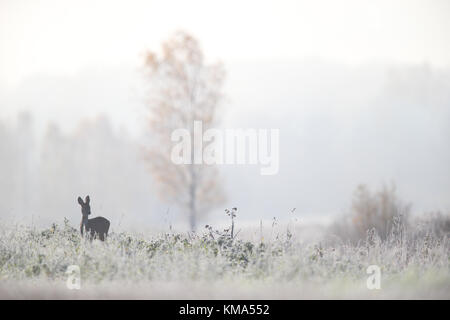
x: 98, y: 226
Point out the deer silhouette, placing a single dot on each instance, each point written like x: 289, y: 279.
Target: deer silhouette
x: 98, y: 226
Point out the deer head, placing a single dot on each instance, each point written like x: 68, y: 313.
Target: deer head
x: 85, y: 207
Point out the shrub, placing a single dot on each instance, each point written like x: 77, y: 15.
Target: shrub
x: 379, y: 211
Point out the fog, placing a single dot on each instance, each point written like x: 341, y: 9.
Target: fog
x: 383, y: 119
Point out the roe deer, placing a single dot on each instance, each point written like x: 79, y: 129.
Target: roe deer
x: 96, y: 226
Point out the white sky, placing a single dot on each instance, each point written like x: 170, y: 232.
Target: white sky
x: 64, y: 37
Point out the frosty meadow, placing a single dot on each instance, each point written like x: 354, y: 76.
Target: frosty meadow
x: 211, y: 264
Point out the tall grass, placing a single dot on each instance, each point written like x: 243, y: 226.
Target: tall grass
x: 405, y: 256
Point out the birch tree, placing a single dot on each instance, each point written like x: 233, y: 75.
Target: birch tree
x: 183, y: 88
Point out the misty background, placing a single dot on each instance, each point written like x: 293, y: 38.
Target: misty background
x: 360, y: 93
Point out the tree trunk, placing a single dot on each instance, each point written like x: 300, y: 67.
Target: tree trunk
x: 192, y: 210
x: 192, y: 201
x: 193, y: 220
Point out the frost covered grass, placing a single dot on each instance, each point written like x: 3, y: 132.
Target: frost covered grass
x: 213, y: 264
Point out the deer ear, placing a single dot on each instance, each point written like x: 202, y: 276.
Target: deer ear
x: 80, y: 201
x: 87, y: 200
